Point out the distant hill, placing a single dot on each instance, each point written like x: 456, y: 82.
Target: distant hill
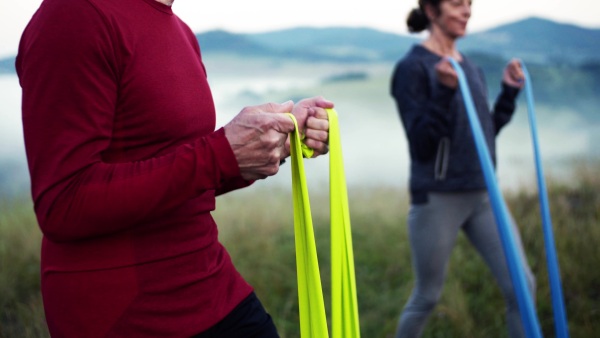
x: 353, y: 44
x: 7, y: 65
x: 538, y: 40
x: 309, y: 44
x: 533, y: 40
x: 222, y: 41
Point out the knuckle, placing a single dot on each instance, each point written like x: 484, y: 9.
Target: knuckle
x: 323, y: 136
x: 246, y: 110
x: 272, y: 140
x: 271, y: 106
x: 273, y: 167
x: 272, y: 170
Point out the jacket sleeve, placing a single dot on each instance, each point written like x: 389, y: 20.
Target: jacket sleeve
x: 424, y: 111
x: 68, y: 71
x: 505, y: 106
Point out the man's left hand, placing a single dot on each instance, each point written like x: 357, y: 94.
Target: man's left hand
x: 313, y: 123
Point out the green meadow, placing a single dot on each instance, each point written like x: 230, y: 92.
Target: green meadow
x: 256, y: 226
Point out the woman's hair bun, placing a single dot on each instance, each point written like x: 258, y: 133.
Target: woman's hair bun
x: 417, y: 21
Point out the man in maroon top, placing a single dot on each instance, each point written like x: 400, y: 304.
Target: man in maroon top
x: 125, y: 164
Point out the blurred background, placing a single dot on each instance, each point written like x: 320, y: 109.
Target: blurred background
x: 261, y: 51
x: 265, y: 53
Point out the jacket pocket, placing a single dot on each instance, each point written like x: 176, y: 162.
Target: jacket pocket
x: 442, y: 158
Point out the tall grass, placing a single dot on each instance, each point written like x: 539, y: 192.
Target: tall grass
x: 256, y: 226
x: 21, y: 310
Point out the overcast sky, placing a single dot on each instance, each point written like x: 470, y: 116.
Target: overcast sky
x: 266, y: 15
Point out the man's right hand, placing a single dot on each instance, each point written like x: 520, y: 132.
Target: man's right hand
x: 257, y: 136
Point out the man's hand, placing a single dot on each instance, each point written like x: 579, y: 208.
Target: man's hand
x: 257, y: 136
x: 313, y: 123
x: 513, y: 74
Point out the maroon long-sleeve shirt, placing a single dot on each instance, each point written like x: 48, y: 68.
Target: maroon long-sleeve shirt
x: 125, y: 164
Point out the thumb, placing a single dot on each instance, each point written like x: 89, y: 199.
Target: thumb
x: 282, y: 123
x: 287, y: 106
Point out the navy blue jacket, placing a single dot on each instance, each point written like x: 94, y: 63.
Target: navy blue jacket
x: 442, y: 149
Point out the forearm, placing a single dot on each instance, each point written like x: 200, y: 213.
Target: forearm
x: 504, y: 106
x: 103, y: 198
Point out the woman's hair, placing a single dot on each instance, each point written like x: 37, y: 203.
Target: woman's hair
x: 417, y: 20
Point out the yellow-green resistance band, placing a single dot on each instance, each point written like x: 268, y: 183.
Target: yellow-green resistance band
x: 344, y: 319
x: 344, y: 304
x: 313, y: 322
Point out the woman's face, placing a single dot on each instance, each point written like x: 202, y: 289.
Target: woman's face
x: 452, y: 17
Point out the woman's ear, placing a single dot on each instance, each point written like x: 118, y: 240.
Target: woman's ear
x: 431, y: 12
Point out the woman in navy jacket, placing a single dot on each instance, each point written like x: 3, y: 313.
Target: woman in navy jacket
x: 447, y: 187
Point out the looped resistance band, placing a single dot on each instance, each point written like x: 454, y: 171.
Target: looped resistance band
x: 560, y: 318
x: 503, y: 222
x: 344, y: 304
x: 344, y: 318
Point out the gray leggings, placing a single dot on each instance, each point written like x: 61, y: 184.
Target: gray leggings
x: 433, y: 228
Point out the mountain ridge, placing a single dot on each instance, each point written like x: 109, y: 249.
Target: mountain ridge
x: 563, y: 42
x: 533, y: 39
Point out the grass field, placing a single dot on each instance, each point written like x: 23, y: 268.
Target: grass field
x: 262, y: 245
x: 261, y: 241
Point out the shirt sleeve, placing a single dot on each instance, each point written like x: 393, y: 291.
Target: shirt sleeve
x: 424, y: 111
x: 69, y: 73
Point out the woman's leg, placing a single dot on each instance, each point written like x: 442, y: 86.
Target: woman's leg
x: 482, y: 231
x: 432, y: 228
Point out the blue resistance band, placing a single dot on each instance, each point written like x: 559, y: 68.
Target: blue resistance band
x: 560, y: 321
x: 515, y: 265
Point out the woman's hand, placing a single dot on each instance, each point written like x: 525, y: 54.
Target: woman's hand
x: 513, y: 74
x: 446, y: 74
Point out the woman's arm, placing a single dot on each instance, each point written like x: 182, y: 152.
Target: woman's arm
x: 424, y: 111
x: 512, y: 81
